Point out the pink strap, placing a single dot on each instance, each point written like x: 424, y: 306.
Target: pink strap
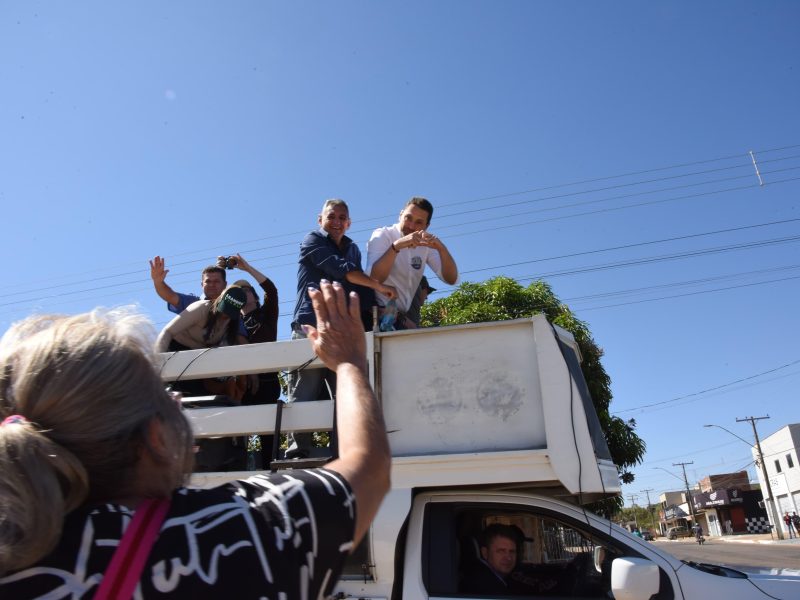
x: 125, y: 569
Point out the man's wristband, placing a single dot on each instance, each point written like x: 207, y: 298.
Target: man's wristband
x: 395, y: 249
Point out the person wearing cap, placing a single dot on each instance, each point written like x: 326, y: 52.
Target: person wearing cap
x: 205, y: 323
x: 423, y: 291
x: 397, y: 256
x: 261, y: 322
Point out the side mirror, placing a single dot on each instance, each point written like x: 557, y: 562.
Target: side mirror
x: 634, y: 578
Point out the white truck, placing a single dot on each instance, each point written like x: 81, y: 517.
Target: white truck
x: 488, y: 423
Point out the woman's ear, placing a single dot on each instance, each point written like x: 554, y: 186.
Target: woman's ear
x: 156, y: 441
x: 157, y: 474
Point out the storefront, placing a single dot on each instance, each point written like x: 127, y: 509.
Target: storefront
x: 729, y: 511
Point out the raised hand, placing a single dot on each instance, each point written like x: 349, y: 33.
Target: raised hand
x: 339, y: 335
x: 241, y: 263
x: 158, y: 272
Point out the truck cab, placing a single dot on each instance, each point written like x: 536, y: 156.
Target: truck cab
x: 487, y: 423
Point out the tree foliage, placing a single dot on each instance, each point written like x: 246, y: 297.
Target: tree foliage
x: 646, y: 519
x: 502, y: 298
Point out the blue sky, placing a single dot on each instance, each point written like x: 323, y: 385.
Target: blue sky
x: 192, y: 129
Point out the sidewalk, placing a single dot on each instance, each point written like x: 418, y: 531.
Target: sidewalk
x: 753, y: 538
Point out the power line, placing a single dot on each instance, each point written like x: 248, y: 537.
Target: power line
x: 711, y: 389
x: 639, y: 244
x: 674, y: 284
x: 630, y: 174
x: 651, y: 259
x: 635, y: 183
x: 439, y: 216
x: 628, y: 206
x: 578, y: 270
x: 723, y: 289
x: 484, y: 230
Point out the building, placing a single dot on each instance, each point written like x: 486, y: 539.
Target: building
x: 783, y: 470
x: 723, y: 504
x: 728, y: 504
x: 674, y: 511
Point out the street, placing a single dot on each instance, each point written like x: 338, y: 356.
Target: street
x: 742, y: 556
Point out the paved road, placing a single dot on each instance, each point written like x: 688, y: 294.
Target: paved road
x: 742, y: 556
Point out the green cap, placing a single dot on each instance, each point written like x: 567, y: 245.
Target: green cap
x: 232, y: 301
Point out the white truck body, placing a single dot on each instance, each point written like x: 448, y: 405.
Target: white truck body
x: 488, y: 422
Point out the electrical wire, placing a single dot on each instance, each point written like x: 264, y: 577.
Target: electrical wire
x: 485, y: 198
x: 711, y: 389
x: 485, y: 230
x: 630, y: 174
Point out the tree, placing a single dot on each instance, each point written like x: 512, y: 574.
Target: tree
x: 644, y: 518
x: 502, y: 298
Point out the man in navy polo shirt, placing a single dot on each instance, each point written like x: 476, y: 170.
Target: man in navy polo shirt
x: 326, y: 254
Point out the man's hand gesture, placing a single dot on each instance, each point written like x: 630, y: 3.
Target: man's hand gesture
x: 338, y: 337
x: 158, y: 273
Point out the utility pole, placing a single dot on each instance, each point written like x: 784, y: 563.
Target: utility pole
x: 688, y: 491
x: 771, y: 503
x: 650, y: 508
x: 632, y: 498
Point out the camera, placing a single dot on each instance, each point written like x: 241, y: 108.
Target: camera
x: 227, y: 262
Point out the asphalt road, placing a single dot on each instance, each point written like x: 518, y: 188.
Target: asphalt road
x: 743, y: 556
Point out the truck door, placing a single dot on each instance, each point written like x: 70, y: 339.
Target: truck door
x: 557, y: 556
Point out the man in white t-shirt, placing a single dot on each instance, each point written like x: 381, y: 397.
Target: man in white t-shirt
x: 397, y: 256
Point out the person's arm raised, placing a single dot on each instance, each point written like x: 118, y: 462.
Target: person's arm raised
x: 364, y: 456
x: 158, y: 273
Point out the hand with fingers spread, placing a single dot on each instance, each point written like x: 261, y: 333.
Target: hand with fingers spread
x: 158, y: 270
x: 339, y: 335
x: 158, y: 273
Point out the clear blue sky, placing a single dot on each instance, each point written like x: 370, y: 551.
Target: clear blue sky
x: 192, y: 129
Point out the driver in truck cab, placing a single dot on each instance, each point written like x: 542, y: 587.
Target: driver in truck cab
x: 500, y: 547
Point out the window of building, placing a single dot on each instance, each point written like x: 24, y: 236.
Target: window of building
x: 777, y: 466
x: 789, y: 461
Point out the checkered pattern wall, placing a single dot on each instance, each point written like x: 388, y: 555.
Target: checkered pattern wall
x: 757, y: 524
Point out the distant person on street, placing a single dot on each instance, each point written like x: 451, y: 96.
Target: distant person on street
x: 698, y: 532
x: 397, y: 255
x: 789, y: 524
